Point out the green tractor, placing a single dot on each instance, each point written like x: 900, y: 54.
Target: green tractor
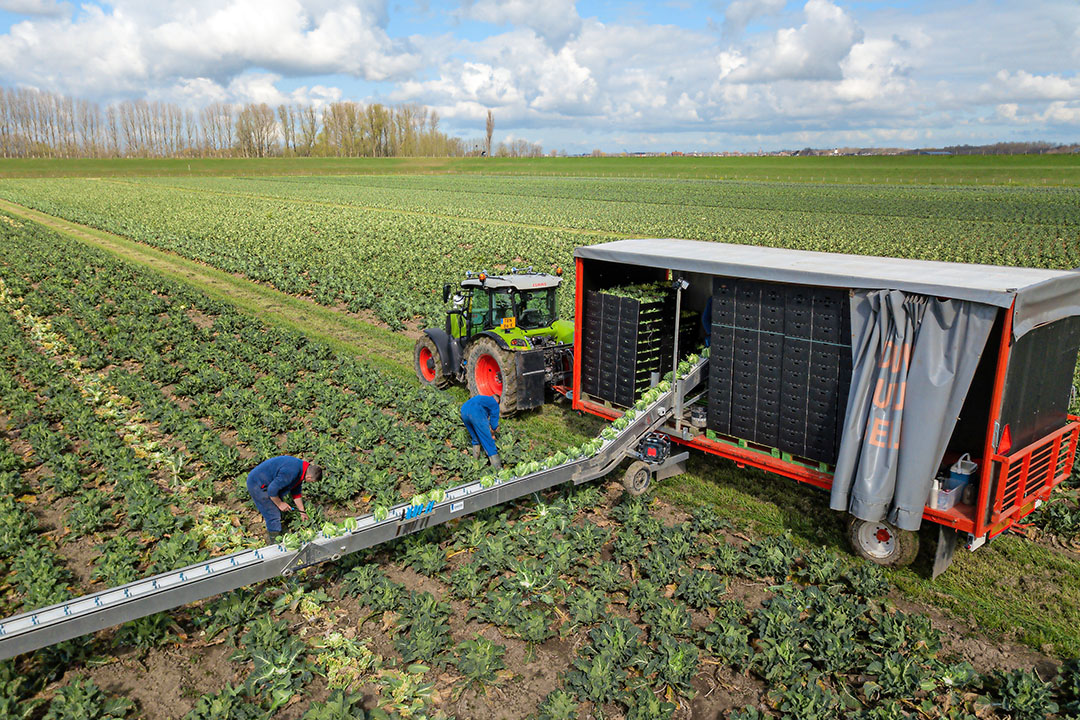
x: 501, y: 338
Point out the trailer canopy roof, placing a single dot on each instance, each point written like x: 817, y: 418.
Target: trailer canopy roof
x: 1041, y: 296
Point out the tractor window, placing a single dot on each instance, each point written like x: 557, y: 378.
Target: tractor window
x: 502, y: 306
x: 535, y: 308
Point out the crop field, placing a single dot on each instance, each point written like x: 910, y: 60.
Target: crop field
x: 386, y: 244
x: 133, y: 404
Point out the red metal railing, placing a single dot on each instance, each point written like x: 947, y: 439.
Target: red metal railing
x: 1031, y: 473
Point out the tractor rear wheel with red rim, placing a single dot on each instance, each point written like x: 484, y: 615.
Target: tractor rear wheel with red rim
x: 428, y: 363
x: 493, y: 371
x: 883, y: 543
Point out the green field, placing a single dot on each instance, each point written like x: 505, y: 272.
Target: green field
x: 966, y: 170
x: 174, y: 325
x: 386, y: 243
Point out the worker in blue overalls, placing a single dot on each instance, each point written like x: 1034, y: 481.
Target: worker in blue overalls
x: 275, y: 479
x: 480, y: 414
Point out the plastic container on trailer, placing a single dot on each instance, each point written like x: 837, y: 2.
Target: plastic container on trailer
x: 944, y: 499
x: 961, y: 471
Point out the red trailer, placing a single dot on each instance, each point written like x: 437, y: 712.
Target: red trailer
x: 1013, y: 420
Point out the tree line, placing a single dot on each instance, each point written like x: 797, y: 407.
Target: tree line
x: 38, y: 124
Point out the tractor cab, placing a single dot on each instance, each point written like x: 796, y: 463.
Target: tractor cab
x: 502, y: 337
x: 520, y: 307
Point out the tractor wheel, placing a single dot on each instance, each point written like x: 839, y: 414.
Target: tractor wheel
x: 493, y: 371
x: 883, y: 543
x: 428, y: 363
x: 638, y: 478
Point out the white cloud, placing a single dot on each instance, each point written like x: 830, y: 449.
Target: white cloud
x: 1062, y: 113
x: 36, y: 7
x: 142, y: 45
x: 554, y: 20
x: 741, y: 12
x: 813, y: 51
x: 1023, y: 86
x: 874, y: 70
x: 854, y: 72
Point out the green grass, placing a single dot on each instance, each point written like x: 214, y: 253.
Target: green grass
x: 1036, y: 170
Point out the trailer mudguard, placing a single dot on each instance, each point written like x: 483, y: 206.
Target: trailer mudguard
x: 449, y: 350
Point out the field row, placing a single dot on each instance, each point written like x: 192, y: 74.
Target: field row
x: 144, y: 404
x: 388, y: 244
x: 132, y: 407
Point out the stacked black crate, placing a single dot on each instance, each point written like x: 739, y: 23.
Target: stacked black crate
x: 780, y: 365
x: 798, y: 313
x: 590, y: 343
x: 721, y: 356
x: 823, y: 409
x: 844, y: 379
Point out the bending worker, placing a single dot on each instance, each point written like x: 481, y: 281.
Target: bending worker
x: 480, y: 413
x: 274, y: 479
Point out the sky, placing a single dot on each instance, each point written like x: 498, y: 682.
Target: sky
x: 728, y: 75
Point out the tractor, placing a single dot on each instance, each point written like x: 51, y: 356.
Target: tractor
x: 501, y: 338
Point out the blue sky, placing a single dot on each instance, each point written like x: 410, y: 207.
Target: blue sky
x: 675, y: 75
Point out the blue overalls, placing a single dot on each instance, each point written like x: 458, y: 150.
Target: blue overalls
x: 274, y: 478
x: 480, y: 414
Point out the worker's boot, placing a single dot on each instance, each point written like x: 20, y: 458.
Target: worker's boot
x: 476, y: 452
x: 273, y: 536
x: 495, y: 461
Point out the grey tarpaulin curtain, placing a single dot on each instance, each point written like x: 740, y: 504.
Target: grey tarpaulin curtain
x: 913, y: 358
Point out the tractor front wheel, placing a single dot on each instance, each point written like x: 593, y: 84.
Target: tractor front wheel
x: 428, y: 363
x: 493, y: 371
x: 883, y: 543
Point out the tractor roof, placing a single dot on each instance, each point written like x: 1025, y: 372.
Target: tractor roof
x: 519, y: 281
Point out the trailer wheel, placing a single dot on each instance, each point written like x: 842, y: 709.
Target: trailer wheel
x: 883, y: 543
x: 493, y: 371
x: 638, y: 478
x: 428, y: 363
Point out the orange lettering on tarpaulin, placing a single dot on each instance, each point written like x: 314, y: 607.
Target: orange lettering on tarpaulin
x: 885, y: 353
x: 879, y: 433
x: 900, y: 396
x: 883, y: 402
x: 891, y: 394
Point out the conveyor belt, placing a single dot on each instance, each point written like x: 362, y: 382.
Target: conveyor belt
x: 80, y: 616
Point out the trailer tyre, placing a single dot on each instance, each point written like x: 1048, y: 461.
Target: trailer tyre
x: 638, y: 478
x: 428, y: 363
x: 493, y: 371
x: 883, y: 543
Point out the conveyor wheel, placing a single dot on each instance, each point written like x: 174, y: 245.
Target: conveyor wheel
x: 883, y: 543
x: 638, y: 478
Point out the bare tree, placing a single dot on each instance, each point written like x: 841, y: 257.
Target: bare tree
x: 309, y: 130
x: 490, y: 128
x: 255, y: 130
x: 37, y: 124
x: 287, y: 117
